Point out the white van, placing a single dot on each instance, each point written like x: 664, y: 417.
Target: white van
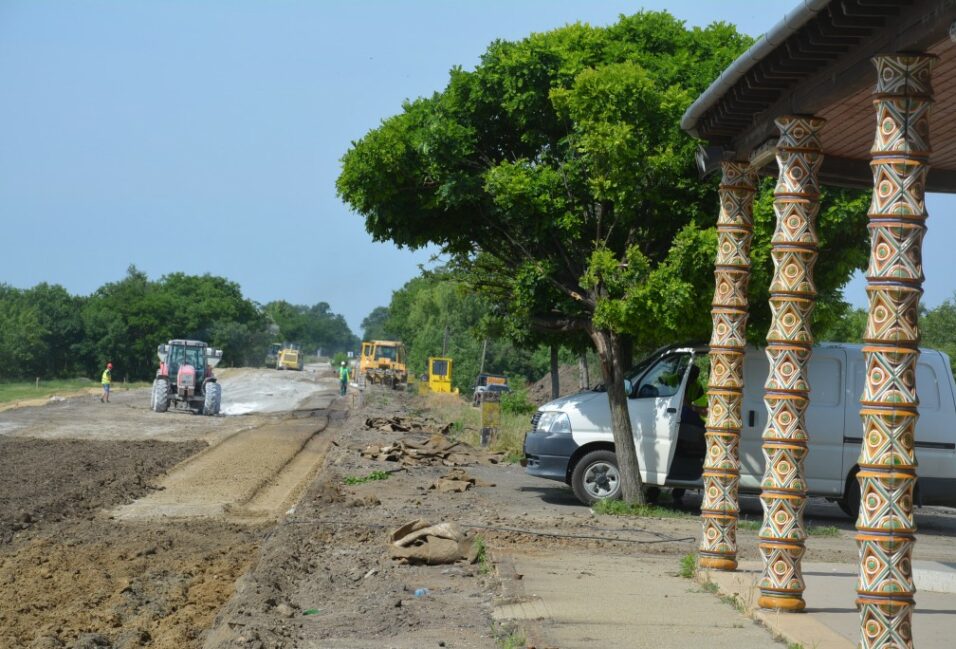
x: 571, y: 440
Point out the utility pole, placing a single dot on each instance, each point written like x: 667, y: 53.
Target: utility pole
x: 484, y: 350
x: 584, y: 378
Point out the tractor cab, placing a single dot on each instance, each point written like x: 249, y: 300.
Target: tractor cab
x: 178, y: 353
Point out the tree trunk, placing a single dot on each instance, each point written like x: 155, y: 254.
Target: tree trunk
x: 584, y: 378
x: 555, y: 381
x: 608, y: 346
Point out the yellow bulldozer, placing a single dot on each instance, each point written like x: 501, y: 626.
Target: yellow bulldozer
x: 383, y: 362
x: 290, y: 358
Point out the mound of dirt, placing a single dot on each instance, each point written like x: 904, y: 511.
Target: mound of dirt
x: 569, y: 379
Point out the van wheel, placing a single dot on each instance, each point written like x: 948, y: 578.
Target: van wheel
x: 850, y: 503
x: 596, y: 477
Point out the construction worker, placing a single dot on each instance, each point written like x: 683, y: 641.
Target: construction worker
x: 343, y: 379
x: 106, y: 381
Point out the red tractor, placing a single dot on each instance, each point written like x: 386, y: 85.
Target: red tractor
x: 185, y: 377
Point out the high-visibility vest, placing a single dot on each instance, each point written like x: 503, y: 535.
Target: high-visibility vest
x: 107, y: 376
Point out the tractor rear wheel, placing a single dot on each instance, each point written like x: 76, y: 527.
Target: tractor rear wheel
x: 160, y: 395
x: 213, y: 399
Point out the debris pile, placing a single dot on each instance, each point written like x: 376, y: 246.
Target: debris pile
x: 420, y: 542
x: 436, y: 450
x: 457, y: 481
x: 399, y: 424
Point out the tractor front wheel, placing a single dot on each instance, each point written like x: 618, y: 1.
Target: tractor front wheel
x: 160, y: 395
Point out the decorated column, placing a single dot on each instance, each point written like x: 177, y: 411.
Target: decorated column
x: 885, y: 527
x: 719, y: 509
x: 789, y: 341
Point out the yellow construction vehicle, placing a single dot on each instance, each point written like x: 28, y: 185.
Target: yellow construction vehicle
x: 439, y: 374
x: 383, y: 362
x: 290, y: 358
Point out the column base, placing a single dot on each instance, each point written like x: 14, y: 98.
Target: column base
x: 782, y: 603
x: 717, y: 563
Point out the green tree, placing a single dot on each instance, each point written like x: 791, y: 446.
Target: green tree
x: 312, y: 327
x: 373, y: 326
x: 561, y: 159
x: 938, y: 329
x: 22, y: 335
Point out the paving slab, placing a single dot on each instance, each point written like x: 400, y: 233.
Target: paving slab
x: 571, y: 599
x: 831, y: 619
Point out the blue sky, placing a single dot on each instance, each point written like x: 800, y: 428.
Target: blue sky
x: 206, y: 136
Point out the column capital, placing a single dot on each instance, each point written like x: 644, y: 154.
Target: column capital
x: 904, y: 74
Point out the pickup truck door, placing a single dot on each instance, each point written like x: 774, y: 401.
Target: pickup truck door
x: 655, y: 412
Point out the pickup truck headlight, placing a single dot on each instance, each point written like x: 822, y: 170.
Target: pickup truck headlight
x: 554, y: 422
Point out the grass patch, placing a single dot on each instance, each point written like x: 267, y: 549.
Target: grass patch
x: 823, y: 530
x: 688, y: 566
x: 507, y: 637
x: 481, y: 552
x: 709, y: 587
x: 512, y: 641
x: 466, y: 424
x: 23, y: 390
x: 621, y: 508
x: 371, y: 477
x: 746, y: 524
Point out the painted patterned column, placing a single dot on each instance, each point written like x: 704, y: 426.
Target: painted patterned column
x: 719, y: 509
x: 885, y: 528
x: 789, y: 341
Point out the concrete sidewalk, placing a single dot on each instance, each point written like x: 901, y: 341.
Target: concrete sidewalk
x: 571, y: 599
x: 831, y: 619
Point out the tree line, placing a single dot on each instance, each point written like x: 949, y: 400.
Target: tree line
x: 47, y: 332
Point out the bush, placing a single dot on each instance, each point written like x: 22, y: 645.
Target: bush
x: 516, y: 402
x: 338, y: 359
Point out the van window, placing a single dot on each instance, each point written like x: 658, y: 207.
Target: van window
x: 664, y: 378
x: 927, y: 387
x: 826, y: 382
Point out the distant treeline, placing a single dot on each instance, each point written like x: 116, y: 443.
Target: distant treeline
x: 46, y: 332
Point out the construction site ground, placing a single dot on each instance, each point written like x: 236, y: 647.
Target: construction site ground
x: 271, y: 527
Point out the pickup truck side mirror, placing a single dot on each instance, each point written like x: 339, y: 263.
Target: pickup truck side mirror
x: 628, y: 388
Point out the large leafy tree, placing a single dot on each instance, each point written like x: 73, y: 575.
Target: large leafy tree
x: 559, y: 161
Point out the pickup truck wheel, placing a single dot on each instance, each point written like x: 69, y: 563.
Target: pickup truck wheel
x: 596, y: 477
x: 850, y: 503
